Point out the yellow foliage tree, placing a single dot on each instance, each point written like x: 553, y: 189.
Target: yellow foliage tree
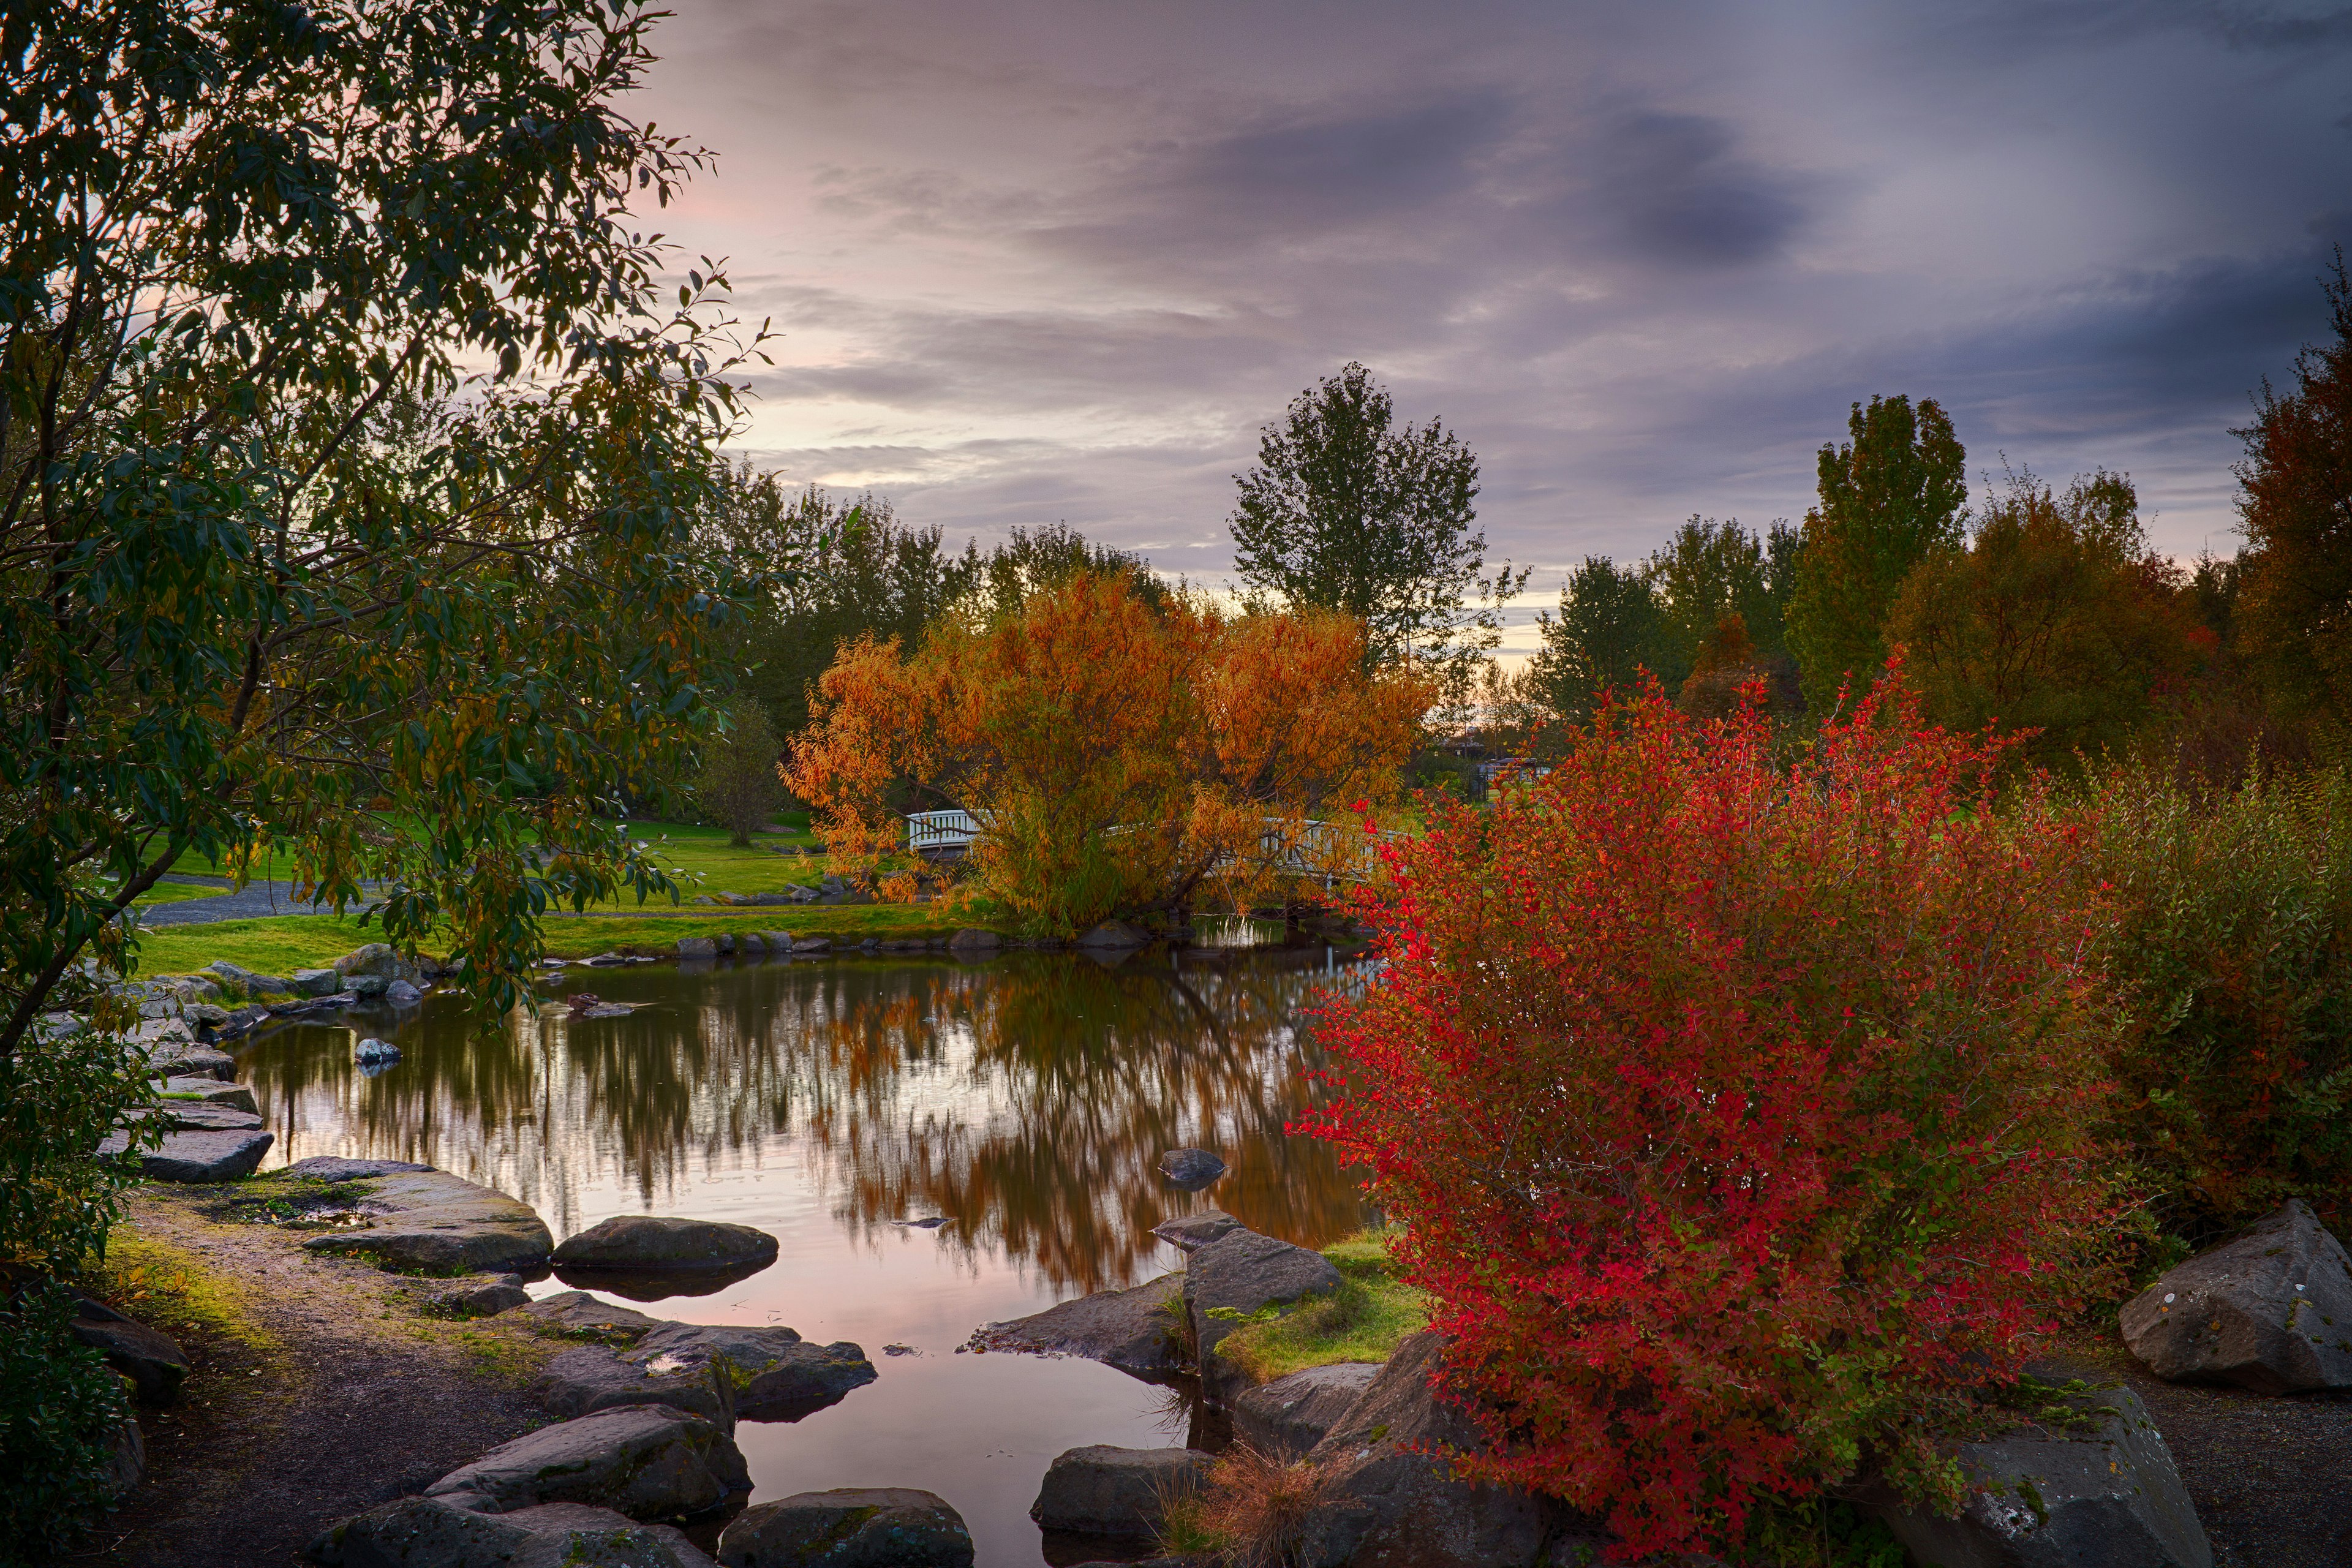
x: 1120, y: 755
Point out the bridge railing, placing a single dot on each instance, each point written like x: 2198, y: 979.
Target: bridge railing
x: 941, y: 830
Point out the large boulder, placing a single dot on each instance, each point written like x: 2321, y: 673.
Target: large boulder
x: 431, y: 1222
x: 973, y: 940
x: 774, y: 1373
x: 1133, y: 1329
x: 576, y: 1315
x: 376, y: 961
x: 2271, y: 1312
x: 1115, y: 934
x: 1115, y: 1492
x: 644, y: 1242
x: 428, y: 1532
x: 1285, y: 1419
x: 2100, y: 1492
x: 197, y: 1156
x: 648, y: 1461
x: 1241, y: 1273
x: 880, y: 1527
x: 588, y: 1378
x: 1388, y: 1498
x: 314, y: 982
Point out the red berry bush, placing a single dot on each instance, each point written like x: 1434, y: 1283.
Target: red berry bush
x: 1739, y: 1111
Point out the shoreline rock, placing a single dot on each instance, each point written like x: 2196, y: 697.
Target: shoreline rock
x: 436, y: 1223
x: 878, y: 1527
x: 1133, y: 1329
x: 642, y: 1244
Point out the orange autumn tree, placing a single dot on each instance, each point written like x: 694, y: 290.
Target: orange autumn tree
x: 1121, y: 756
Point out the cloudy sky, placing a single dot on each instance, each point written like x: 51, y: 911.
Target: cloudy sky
x: 1041, y: 260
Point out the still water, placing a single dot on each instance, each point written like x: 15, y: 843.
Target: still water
x: 1023, y: 1100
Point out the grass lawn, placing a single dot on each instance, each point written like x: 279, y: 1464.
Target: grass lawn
x: 280, y: 945
x: 1362, y: 1320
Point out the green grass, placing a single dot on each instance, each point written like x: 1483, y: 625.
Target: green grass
x: 280, y: 945
x: 1362, y: 1320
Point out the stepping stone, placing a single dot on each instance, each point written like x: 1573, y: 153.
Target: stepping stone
x: 645, y: 1243
x: 428, y: 1532
x: 881, y: 1527
x: 197, y: 1157
x: 431, y: 1222
x: 1133, y: 1329
x: 212, y: 1091
x: 335, y: 1168
x: 1195, y: 1231
x: 194, y: 1061
x: 775, y: 1373
x: 197, y: 1116
x: 589, y: 1378
x: 642, y: 1460
x: 575, y: 1314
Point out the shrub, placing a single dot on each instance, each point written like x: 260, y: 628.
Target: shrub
x: 1735, y: 1115
x: 59, y: 1096
x: 2234, y: 941
x: 61, y: 1409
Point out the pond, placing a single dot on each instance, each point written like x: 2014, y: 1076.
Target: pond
x: 1023, y: 1102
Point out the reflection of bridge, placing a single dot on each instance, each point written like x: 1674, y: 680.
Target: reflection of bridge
x: 1316, y: 851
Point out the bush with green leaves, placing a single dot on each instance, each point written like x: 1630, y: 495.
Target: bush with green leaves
x: 61, y: 1415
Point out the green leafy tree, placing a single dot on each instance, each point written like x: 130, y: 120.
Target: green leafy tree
x: 2057, y: 617
x: 1888, y: 497
x: 1610, y: 630
x: 2295, y: 613
x: 994, y: 585
x: 278, y: 568
x: 1346, y: 511
x: 737, y: 786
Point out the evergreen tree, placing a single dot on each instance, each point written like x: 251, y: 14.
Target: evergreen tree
x: 1610, y: 630
x: 1888, y: 497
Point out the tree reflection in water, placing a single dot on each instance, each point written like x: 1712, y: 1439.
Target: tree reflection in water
x: 1027, y: 1099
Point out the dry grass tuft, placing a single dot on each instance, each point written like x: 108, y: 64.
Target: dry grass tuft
x: 1251, y: 1514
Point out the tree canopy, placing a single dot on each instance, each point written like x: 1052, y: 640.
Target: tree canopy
x: 281, y: 565
x: 1346, y: 511
x: 1888, y: 496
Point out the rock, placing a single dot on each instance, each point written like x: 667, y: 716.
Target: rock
x: 1115, y: 1492
x: 575, y: 1314
x: 335, y: 1168
x: 247, y: 980
x: 777, y: 941
x: 884, y: 1526
x: 1286, y: 1418
x: 1383, y: 1504
x: 649, y: 1242
x: 373, y: 1050
x: 971, y: 940
x: 197, y: 1156
x: 212, y: 1091
x: 1195, y: 1231
x: 433, y: 1222
x: 697, y: 947
x: 428, y: 1532
x: 643, y: 1460
x: 1243, y: 1271
x: 314, y: 982
x: 813, y: 945
x: 589, y: 1378
x: 401, y: 994
x: 1115, y: 934
x: 1133, y: 1329
x: 195, y: 1061
x: 749, y: 941
x: 369, y: 987
x: 126, y: 1463
x: 2103, y: 1497
x: 2271, y: 1312
x: 152, y: 1361
x: 481, y: 1299
x: 775, y: 1373
x: 376, y: 961
x: 203, y: 1116
x: 605, y: 961
x: 1190, y: 1169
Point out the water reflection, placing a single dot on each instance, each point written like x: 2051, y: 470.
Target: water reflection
x: 1027, y: 1100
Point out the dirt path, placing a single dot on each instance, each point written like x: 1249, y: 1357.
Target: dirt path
x: 318, y: 1388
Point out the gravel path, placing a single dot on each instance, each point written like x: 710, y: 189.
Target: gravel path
x: 254, y: 899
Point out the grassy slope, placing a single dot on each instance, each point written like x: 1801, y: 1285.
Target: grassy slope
x: 1362, y: 1320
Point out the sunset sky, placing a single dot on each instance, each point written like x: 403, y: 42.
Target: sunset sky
x: 1056, y: 260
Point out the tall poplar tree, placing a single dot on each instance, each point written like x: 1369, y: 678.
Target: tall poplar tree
x: 1346, y: 512
x: 1888, y: 497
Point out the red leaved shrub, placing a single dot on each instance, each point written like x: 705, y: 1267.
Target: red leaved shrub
x: 1737, y: 1111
